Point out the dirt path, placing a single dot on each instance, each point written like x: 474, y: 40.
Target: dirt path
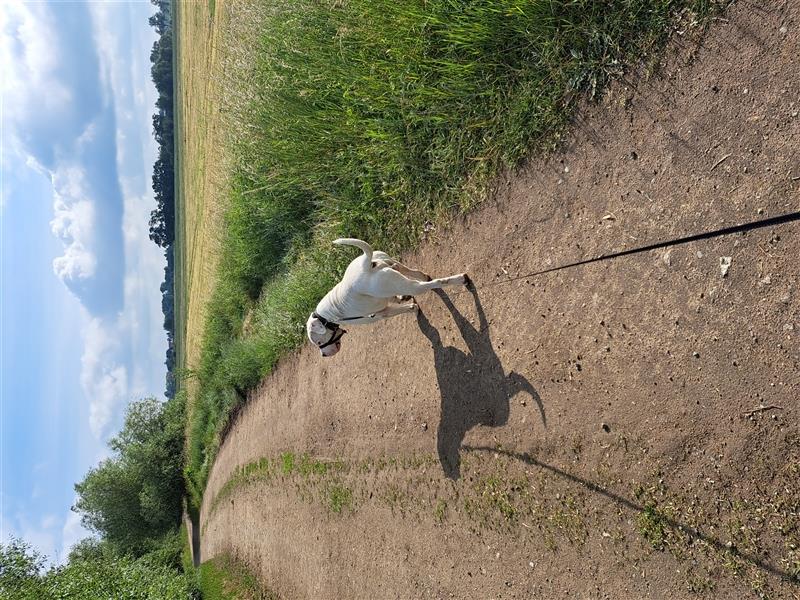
x: 583, y: 433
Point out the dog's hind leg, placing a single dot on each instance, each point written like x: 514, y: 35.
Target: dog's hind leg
x: 411, y: 273
x: 400, y: 267
x: 397, y: 284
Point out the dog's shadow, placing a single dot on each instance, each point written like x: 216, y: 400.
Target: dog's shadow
x: 474, y: 386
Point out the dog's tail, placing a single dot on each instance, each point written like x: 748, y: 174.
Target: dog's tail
x: 365, y: 247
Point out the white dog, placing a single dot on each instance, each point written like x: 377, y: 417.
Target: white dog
x: 374, y: 287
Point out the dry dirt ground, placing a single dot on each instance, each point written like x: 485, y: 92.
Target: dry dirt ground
x: 582, y: 434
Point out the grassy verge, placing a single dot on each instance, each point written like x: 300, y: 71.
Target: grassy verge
x: 372, y: 118
x: 223, y: 578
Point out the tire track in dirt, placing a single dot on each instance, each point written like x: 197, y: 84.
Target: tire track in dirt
x: 645, y: 368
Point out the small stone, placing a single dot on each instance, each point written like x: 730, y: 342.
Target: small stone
x: 724, y: 265
x: 760, y: 211
x: 667, y: 258
x: 605, y: 427
x: 424, y: 427
x: 766, y: 280
x: 522, y: 402
x: 530, y: 564
x: 566, y: 169
x: 696, y: 354
x: 783, y: 29
x: 699, y: 254
x: 788, y: 327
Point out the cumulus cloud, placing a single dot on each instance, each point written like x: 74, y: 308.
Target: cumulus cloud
x: 73, y: 223
x: 29, y: 60
x: 103, y: 379
x: 51, y: 122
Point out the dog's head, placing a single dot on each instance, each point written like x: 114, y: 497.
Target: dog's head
x: 329, y: 341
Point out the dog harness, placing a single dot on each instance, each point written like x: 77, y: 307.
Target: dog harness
x: 334, y: 328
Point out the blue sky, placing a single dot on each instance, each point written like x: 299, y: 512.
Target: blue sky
x: 81, y: 309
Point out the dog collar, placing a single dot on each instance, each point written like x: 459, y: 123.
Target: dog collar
x: 328, y: 324
x: 334, y: 328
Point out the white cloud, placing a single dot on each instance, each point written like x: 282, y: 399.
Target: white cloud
x: 88, y: 135
x: 71, y: 533
x: 103, y: 379
x: 125, y: 70
x: 30, y: 56
x: 76, y: 263
x: 73, y: 223
x: 40, y: 533
x: 48, y: 535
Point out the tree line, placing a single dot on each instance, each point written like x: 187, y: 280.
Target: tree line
x: 162, y: 219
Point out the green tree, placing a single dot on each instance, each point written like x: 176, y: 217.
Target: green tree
x: 89, y: 549
x: 117, y: 577
x: 20, y: 571
x: 134, y: 498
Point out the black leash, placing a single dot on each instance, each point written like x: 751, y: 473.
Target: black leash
x: 795, y: 216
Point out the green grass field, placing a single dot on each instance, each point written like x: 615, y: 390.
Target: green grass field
x: 370, y: 118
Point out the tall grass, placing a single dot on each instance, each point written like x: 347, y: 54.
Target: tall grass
x: 369, y: 118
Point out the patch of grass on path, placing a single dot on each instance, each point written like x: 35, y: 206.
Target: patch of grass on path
x: 370, y: 118
x: 223, y: 578
x: 754, y: 540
